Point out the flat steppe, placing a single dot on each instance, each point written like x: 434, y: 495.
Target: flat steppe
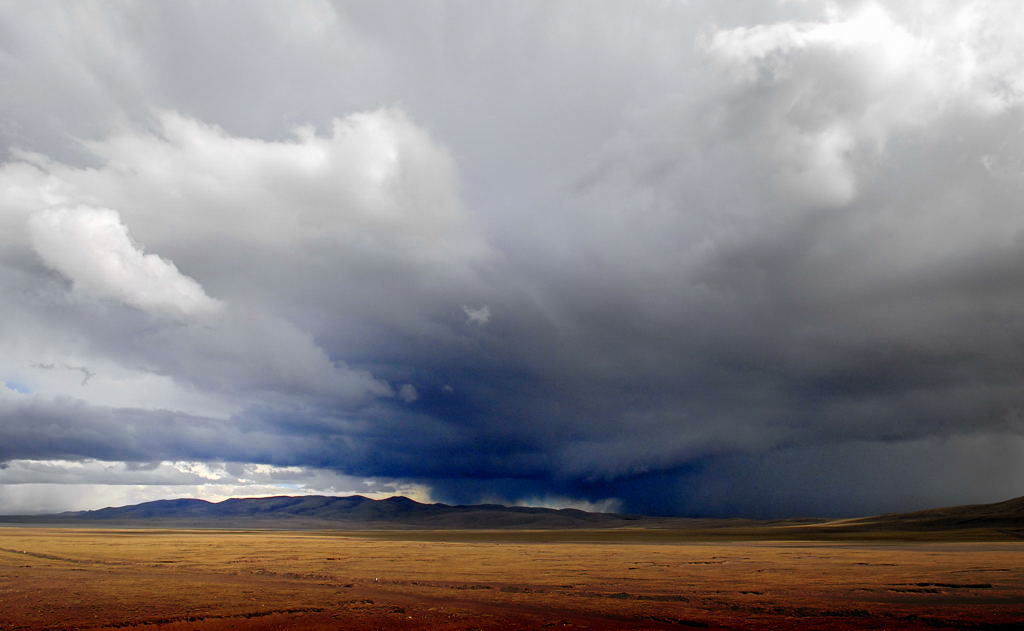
x: 187, y: 580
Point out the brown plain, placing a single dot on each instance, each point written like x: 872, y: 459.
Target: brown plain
x: 178, y: 580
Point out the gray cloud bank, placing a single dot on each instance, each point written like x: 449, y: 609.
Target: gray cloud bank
x: 696, y: 258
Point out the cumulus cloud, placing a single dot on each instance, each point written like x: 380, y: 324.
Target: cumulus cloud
x: 408, y: 393
x: 825, y: 97
x: 92, y: 248
x: 374, y: 196
x: 478, y: 316
x: 374, y: 183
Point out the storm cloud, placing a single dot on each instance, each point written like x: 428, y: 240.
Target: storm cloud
x: 696, y: 258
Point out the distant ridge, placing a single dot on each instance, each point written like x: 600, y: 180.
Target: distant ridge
x: 354, y: 511
x: 1000, y: 520
x: 1007, y: 514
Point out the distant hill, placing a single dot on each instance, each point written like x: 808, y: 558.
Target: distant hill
x: 353, y: 511
x: 998, y: 521
x: 1008, y: 514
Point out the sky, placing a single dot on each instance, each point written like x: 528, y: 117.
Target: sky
x: 673, y: 257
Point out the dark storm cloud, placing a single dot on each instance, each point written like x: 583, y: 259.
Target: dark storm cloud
x: 642, y: 251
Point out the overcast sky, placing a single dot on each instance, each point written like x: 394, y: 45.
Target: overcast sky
x: 674, y: 257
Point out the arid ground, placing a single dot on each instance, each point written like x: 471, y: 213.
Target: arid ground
x: 216, y: 580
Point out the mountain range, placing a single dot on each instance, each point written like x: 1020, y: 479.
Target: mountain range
x: 356, y: 512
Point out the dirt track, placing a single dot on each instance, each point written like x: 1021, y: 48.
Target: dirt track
x: 80, y: 579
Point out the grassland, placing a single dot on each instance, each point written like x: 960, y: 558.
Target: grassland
x: 207, y: 580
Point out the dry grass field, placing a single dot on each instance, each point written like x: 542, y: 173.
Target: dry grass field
x: 218, y: 580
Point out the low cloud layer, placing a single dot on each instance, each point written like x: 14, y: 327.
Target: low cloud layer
x: 685, y: 258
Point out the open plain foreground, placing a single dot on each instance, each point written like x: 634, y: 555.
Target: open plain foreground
x: 207, y: 580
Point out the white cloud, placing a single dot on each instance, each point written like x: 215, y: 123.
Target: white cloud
x: 408, y: 393
x: 824, y: 98
x: 92, y: 247
x: 478, y: 316
x: 375, y: 184
x: 373, y: 204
